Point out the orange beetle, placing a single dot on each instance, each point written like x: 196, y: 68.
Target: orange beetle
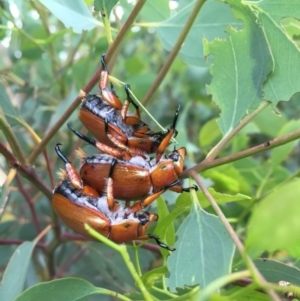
x: 77, y: 206
x: 106, y: 178
x: 137, y: 178
x: 113, y: 126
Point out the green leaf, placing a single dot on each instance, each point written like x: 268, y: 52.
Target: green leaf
x: 164, y: 231
x: 220, y: 198
x: 203, y: 253
x: 74, y: 14
x: 67, y: 289
x: 274, y: 271
x: 106, y: 5
x: 279, y: 154
x: 284, y: 82
x: 11, y: 113
x: 150, y: 277
x: 275, y: 122
x: 211, y: 22
x: 241, y: 65
x: 275, y: 222
x: 209, y: 133
x: 14, y: 277
x: 156, y: 10
x: 227, y: 179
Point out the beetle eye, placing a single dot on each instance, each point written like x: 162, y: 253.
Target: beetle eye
x: 174, y: 156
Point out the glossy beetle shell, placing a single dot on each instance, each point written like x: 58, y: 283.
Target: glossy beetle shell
x: 76, y: 209
x: 131, y: 179
x: 94, y: 110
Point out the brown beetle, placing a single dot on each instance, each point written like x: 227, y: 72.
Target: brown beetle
x: 137, y: 178
x: 110, y: 122
x: 112, y: 163
x: 77, y: 206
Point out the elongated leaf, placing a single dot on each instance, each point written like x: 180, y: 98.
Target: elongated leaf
x: 11, y: 113
x: 203, y: 253
x: 210, y: 23
x: 67, y: 289
x: 15, y: 273
x: 274, y: 223
x: 274, y: 271
x: 241, y: 64
x: 74, y: 14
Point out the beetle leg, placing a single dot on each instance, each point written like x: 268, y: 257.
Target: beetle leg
x: 70, y: 169
x: 126, y: 150
x: 188, y: 189
x: 109, y: 96
x: 109, y: 190
x: 73, y: 175
x: 102, y: 147
x: 131, y: 120
x: 146, y: 202
x: 179, y: 188
x: 157, y: 240
x: 166, y: 141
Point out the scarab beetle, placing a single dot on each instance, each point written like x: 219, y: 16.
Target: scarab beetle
x: 109, y: 121
x: 108, y: 183
x: 77, y: 206
x: 134, y: 178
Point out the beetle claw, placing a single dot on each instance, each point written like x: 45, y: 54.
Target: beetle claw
x: 161, y: 244
x: 103, y: 62
x: 188, y: 189
x: 60, y: 154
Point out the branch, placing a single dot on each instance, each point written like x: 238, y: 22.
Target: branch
x: 234, y: 237
x: 164, y: 70
x: 207, y: 163
x: 88, y: 87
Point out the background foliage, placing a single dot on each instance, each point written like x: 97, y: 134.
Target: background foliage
x: 236, y: 77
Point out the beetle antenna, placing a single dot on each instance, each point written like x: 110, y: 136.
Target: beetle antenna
x: 82, y: 136
x: 161, y: 244
x: 60, y: 154
x: 104, y: 67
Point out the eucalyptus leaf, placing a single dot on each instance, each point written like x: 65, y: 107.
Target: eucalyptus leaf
x: 204, y: 251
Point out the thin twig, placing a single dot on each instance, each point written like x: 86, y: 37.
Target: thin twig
x: 173, y: 54
x: 234, y: 236
x: 207, y: 164
x: 214, y: 152
x: 30, y: 204
x: 88, y: 87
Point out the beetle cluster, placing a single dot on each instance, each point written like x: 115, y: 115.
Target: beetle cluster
x: 122, y: 170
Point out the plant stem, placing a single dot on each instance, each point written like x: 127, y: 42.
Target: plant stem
x: 123, y: 252
x: 174, y: 52
x: 221, y: 282
x: 214, y: 152
x: 11, y: 138
x: 207, y: 163
x: 254, y: 271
